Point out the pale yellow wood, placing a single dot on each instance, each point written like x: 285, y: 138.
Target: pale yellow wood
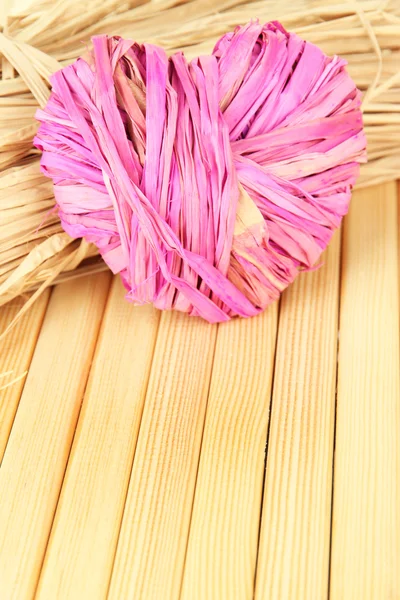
x: 34, y: 462
x: 366, y: 508
x: 222, y: 550
x: 82, y: 546
x: 16, y: 351
x: 293, y: 559
x: 159, y: 527
x: 152, y: 544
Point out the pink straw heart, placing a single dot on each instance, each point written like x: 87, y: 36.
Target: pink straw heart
x: 207, y: 185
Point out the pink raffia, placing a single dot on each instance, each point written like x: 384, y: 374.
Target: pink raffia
x: 207, y: 185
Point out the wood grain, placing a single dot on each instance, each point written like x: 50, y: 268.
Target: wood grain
x: 82, y: 546
x: 366, y: 510
x: 293, y: 559
x: 16, y: 350
x: 34, y: 462
x: 189, y: 525
x: 223, y: 540
x: 153, y: 538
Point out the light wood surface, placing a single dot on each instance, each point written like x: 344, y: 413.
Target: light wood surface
x: 154, y: 530
x: 95, y: 485
x: 37, y: 451
x: 366, y: 508
x: 222, y: 547
x: 153, y: 456
x: 293, y: 558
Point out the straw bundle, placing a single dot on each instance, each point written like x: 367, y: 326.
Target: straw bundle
x: 34, y: 250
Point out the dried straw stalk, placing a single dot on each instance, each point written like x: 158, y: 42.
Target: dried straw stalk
x: 34, y: 251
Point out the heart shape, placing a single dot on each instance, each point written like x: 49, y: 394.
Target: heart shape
x: 207, y: 185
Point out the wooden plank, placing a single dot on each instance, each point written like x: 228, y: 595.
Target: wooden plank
x: 293, y: 559
x: 222, y: 549
x: 151, y: 549
x: 16, y: 350
x: 37, y: 451
x: 82, y: 546
x: 366, y: 509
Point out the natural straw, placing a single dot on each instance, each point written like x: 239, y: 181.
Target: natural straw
x: 34, y: 250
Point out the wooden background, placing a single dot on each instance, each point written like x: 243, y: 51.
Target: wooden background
x: 154, y: 456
